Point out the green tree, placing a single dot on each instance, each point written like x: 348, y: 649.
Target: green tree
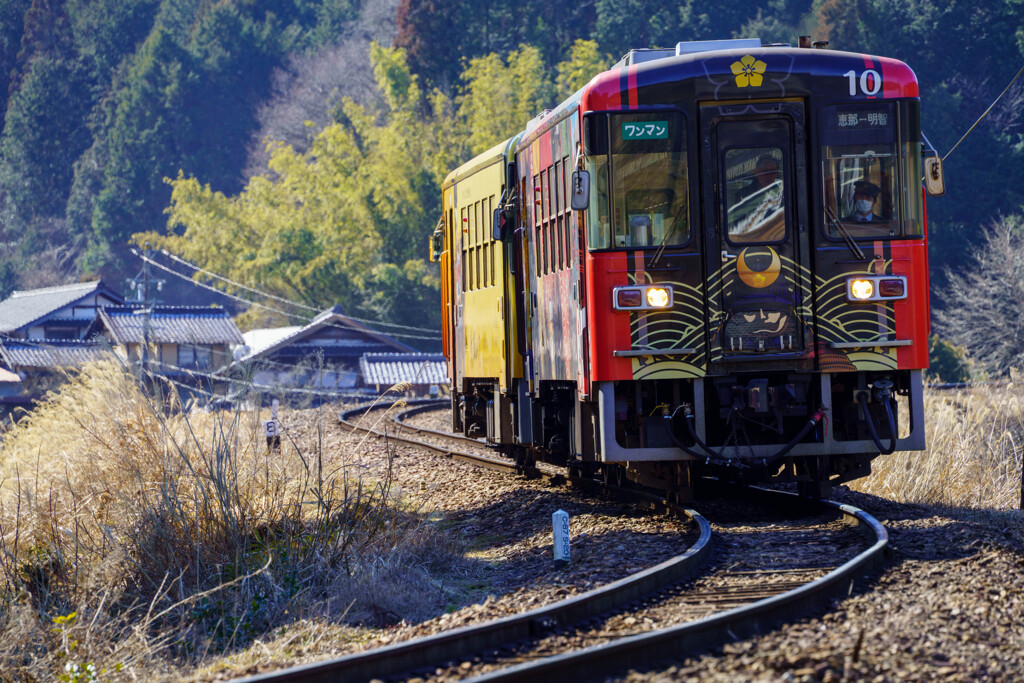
x: 45, y: 131
x: 946, y: 362
x: 585, y: 61
x: 146, y: 135
x: 501, y: 97
x: 12, y: 25
x: 340, y: 223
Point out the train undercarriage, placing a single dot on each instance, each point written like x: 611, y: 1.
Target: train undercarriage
x: 815, y: 430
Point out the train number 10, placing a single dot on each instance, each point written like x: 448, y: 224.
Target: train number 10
x: 870, y: 82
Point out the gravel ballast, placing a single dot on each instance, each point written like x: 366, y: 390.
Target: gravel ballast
x: 948, y: 604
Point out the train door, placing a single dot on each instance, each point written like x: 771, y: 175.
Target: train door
x: 756, y: 215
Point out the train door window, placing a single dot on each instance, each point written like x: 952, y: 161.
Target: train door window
x: 649, y: 180
x: 860, y: 171
x: 755, y: 195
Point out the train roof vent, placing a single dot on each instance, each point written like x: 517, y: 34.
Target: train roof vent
x: 708, y: 45
x: 647, y: 54
x: 650, y: 54
x: 535, y: 121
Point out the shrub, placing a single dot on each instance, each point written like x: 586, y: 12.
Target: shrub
x: 136, y: 536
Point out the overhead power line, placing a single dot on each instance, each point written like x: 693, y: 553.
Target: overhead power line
x: 231, y: 282
x: 985, y: 113
x: 274, y: 297
x: 272, y: 308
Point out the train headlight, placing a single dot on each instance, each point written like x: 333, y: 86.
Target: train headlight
x: 658, y: 297
x: 642, y: 297
x: 862, y: 289
x: 865, y: 288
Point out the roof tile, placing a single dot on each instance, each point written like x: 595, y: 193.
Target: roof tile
x: 24, y: 307
x: 171, y: 325
x: 51, y: 353
x: 392, y: 368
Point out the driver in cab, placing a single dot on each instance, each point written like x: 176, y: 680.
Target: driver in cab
x: 865, y: 194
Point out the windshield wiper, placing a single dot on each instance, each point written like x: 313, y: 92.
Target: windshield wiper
x: 664, y: 242
x: 847, y: 237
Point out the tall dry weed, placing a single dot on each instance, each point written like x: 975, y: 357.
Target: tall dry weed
x: 136, y: 536
x: 975, y: 444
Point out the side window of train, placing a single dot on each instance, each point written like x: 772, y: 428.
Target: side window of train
x: 755, y: 197
x: 863, y: 168
x: 649, y: 180
x: 463, y: 222
x: 566, y: 180
x: 556, y: 221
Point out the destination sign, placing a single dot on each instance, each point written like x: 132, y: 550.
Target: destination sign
x: 861, y: 120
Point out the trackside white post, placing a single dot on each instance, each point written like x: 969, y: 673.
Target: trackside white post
x: 560, y: 526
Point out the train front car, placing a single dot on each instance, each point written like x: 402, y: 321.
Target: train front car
x: 755, y: 265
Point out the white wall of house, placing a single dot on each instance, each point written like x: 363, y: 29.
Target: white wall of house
x: 82, y: 311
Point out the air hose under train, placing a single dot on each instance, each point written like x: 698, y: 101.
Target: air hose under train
x: 717, y: 457
x: 883, y: 394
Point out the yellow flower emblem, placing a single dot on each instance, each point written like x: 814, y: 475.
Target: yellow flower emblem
x: 748, y: 71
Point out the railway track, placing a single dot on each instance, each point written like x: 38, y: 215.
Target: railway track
x: 759, y: 574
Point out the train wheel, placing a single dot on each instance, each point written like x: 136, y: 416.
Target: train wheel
x: 614, y: 475
x: 818, y: 490
x: 526, y: 462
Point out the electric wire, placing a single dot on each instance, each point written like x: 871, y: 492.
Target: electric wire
x: 268, y: 307
x: 268, y: 295
x: 233, y: 283
x: 985, y: 113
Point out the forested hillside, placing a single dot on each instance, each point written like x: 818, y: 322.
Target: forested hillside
x: 105, y: 99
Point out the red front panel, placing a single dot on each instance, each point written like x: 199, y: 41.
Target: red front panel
x: 913, y: 314
x: 608, y: 329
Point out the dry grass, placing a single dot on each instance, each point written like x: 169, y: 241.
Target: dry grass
x: 141, y: 541
x: 975, y: 441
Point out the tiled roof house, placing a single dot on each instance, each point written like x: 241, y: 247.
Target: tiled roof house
x: 63, y: 312
x: 420, y: 370
x: 325, y: 353
x: 186, y: 343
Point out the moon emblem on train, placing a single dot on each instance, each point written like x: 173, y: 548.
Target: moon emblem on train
x: 758, y: 267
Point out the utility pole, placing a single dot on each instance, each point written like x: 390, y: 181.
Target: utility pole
x: 142, y: 284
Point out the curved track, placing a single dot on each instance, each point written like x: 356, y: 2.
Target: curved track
x: 762, y: 603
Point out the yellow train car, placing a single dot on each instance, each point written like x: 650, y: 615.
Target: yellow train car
x: 478, y: 289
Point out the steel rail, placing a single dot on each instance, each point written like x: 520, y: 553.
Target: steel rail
x: 663, y: 646
x: 415, y: 654
x: 345, y: 418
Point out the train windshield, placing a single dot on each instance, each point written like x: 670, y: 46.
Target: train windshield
x: 756, y: 202
x: 641, y: 187
x: 864, y: 168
